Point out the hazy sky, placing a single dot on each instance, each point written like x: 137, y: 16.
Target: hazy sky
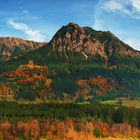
x: 39, y: 19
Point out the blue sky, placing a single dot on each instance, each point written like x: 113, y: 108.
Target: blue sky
x: 39, y: 19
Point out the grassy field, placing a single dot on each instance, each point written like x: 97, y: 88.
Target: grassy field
x: 124, y: 102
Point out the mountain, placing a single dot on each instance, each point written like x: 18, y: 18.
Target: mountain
x: 82, y: 64
x: 90, y: 42
x: 11, y: 47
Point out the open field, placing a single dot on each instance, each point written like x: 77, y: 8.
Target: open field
x: 125, y: 102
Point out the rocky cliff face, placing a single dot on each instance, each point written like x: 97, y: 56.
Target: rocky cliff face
x: 13, y: 47
x: 90, y: 42
x: 74, y: 38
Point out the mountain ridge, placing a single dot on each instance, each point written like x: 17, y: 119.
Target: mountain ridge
x: 75, y: 38
x: 14, y: 47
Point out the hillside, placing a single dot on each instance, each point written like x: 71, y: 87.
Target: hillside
x: 106, y: 67
x: 28, y: 82
x: 11, y: 47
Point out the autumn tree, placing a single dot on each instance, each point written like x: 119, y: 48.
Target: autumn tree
x: 28, y: 82
x: 94, y: 85
x: 5, y: 88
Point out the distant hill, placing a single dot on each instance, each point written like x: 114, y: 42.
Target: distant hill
x: 11, y: 47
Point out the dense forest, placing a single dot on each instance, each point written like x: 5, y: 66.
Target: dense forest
x: 93, y: 82
x: 67, y: 120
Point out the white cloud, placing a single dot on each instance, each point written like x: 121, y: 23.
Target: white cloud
x: 133, y: 43
x: 25, y: 11
x: 32, y: 34
x: 126, y: 7
x: 136, y: 5
x: 114, y: 6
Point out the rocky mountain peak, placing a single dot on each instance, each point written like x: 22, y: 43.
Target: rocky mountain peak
x: 75, y: 39
x: 88, y: 41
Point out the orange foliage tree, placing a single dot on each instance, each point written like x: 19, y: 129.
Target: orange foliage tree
x: 97, y: 85
x: 102, y: 85
x: 32, y: 79
x: 69, y: 129
x: 5, y: 88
